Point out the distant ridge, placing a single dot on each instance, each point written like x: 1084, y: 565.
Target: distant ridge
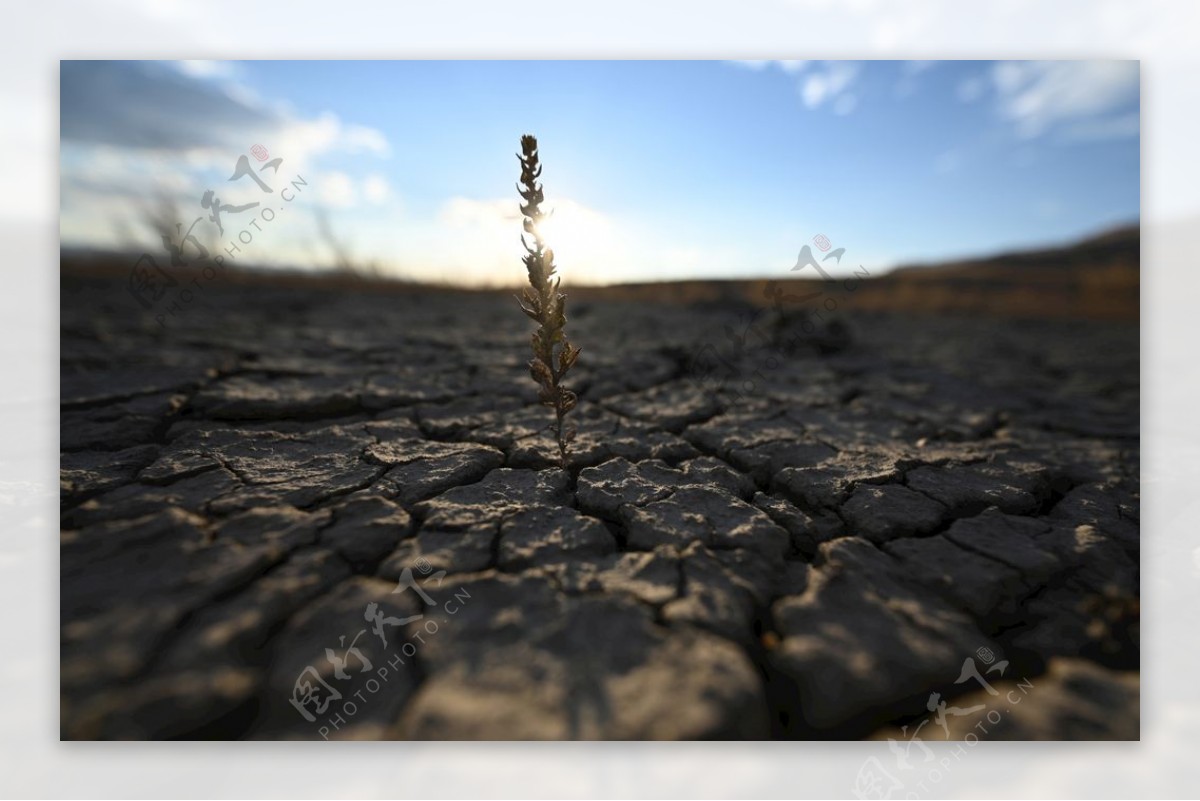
x: 1094, y: 278
x: 1120, y: 244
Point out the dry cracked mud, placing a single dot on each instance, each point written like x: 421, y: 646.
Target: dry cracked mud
x: 290, y: 513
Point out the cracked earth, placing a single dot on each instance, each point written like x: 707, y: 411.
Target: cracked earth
x: 808, y: 551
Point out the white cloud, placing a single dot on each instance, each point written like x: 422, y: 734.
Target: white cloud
x: 483, y: 235
x: 1078, y: 98
x: 204, y: 68
x: 819, y: 82
x: 336, y: 189
x: 360, y: 139
x: 476, y: 241
x: 463, y: 212
x: 375, y: 189
x: 790, y: 67
x: 826, y: 82
x: 137, y: 133
x: 198, y: 111
x: 302, y: 140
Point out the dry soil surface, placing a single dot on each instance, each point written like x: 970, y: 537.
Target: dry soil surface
x: 289, y: 513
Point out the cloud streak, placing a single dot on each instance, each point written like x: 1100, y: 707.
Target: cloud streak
x: 819, y: 83
x: 1074, y: 99
x: 192, y: 109
x: 135, y: 134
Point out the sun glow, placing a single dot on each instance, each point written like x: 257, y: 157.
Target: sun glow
x: 477, y: 243
x: 582, y: 240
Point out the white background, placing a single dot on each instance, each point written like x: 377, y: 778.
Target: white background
x: 1160, y: 33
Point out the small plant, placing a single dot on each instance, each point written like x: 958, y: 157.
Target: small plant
x: 553, y: 355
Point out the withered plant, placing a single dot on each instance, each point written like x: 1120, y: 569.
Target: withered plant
x: 553, y: 355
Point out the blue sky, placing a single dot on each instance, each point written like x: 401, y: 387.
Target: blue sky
x: 656, y: 170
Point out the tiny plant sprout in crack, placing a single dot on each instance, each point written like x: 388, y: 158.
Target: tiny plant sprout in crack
x: 553, y: 355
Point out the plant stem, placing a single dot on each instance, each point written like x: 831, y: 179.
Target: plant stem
x: 542, y: 302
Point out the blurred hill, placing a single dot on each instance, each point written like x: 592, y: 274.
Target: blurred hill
x: 1096, y: 278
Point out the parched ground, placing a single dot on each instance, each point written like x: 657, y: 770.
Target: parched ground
x: 293, y: 513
